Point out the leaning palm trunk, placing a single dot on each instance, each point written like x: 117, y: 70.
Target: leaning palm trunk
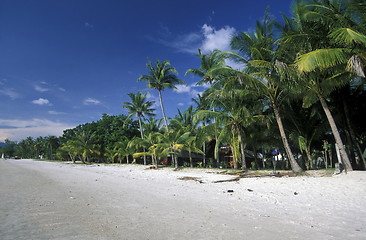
x: 163, y: 111
x: 344, y: 157
x: 294, y: 165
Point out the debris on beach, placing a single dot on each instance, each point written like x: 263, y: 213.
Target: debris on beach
x: 191, y: 179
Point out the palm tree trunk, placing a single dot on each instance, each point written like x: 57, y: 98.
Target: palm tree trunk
x: 337, y: 136
x: 162, y: 110
x: 242, y: 150
x: 294, y: 165
x: 204, y: 154
x: 72, y: 159
x: 142, y: 135
x: 190, y: 158
x: 309, y: 160
x: 175, y: 160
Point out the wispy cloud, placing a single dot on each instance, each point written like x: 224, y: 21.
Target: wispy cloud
x: 91, y: 101
x: 42, y: 101
x: 189, y: 89
x: 39, y: 88
x: 9, y: 92
x: 16, y: 129
x: 55, y: 113
x: 155, y: 99
x: 88, y: 25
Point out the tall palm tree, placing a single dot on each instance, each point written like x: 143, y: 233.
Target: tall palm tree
x: 212, y: 68
x: 161, y: 75
x: 140, y: 107
x: 263, y: 73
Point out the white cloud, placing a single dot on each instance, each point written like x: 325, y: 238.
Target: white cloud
x: 40, y: 88
x: 216, y: 39
x: 91, y: 101
x: 9, y: 93
x: 190, y: 89
x: 181, y: 104
x: 15, y: 129
x: 181, y: 88
x: 62, y: 89
x: 42, y: 101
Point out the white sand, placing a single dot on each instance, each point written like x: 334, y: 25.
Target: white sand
x: 43, y: 200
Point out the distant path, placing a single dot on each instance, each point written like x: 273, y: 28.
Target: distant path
x: 42, y: 200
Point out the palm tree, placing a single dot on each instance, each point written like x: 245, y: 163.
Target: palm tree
x: 177, y: 141
x: 71, y: 149
x: 263, y: 72
x: 123, y: 150
x: 153, y: 142
x: 212, y: 68
x: 83, y: 144
x: 233, y: 119
x: 152, y: 125
x: 161, y: 76
x: 202, y: 103
x: 141, y: 108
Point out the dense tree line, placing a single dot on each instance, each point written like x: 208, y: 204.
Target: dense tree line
x: 300, y: 96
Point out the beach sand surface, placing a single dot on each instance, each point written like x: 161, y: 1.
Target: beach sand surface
x: 50, y: 200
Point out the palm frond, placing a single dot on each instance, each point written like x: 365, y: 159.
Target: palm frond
x: 321, y: 58
x: 348, y: 37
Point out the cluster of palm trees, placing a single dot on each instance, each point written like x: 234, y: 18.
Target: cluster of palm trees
x: 318, y: 52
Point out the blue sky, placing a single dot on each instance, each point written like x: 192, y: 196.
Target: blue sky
x: 65, y: 62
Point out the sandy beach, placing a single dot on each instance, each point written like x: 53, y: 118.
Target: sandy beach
x: 49, y: 200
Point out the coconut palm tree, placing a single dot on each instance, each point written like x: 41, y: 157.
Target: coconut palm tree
x: 202, y: 103
x: 84, y: 145
x: 152, y: 125
x: 123, y: 150
x: 233, y: 119
x: 263, y: 72
x: 140, y: 107
x: 154, y: 143
x: 212, y: 68
x: 161, y: 75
